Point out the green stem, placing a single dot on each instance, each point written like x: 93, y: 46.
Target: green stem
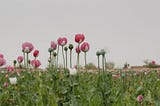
x: 78, y: 61
x: 98, y: 62
x: 70, y: 58
x: 85, y: 59
x: 63, y: 58
x: 50, y: 54
x: 103, y: 62
x: 27, y: 60
x: 66, y: 59
x: 24, y: 59
x: 49, y: 59
x: 57, y: 55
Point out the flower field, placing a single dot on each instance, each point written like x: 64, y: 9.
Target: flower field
x: 59, y: 88
x: 25, y: 84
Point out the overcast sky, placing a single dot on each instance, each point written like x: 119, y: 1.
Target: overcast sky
x: 128, y: 29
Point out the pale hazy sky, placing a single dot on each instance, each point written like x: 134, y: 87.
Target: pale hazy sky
x: 129, y: 29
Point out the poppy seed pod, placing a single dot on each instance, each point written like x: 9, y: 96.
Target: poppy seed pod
x: 65, y: 48
x: 70, y: 46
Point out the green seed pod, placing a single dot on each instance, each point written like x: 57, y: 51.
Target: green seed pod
x: 14, y: 61
x: 98, y: 53
x: 54, y: 54
x: 65, y: 48
x: 70, y: 46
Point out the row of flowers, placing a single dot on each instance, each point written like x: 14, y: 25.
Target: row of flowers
x: 24, y: 62
x: 27, y: 48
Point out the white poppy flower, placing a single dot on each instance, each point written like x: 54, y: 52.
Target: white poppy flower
x: 13, y: 80
x: 72, y: 71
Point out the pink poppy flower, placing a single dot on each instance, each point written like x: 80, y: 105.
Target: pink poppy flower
x: 1, y: 56
x: 2, y: 61
x: 35, y: 63
x: 140, y: 98
x: 78, y: 50
x: 20, y: 59
x: 62, y: 41
x: 36, y: 53
x: 27, y: 47
x: 53, y: 45
x: 79, y: 38
x: 85, y: 47
x: 10, y: 68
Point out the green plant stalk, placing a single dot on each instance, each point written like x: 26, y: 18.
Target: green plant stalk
x: 78, y: 61
x: 85, y: 58
x: 52, y: 57
x: 71, y: 58
x: 63, y: 57
x: 103, y: 63
x: 57, y: 55
x: 50, y: 54
x: 27, y: 60
x: 98, y: 62
x: 24, y: 59
x: 66, y: 58
x: 49, y: 59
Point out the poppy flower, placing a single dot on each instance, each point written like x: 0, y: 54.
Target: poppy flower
x: 79, y: 38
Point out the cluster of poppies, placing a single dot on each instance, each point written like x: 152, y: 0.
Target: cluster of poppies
x: 27, y: 48
x: 79, y: 38
x: 62, y: 42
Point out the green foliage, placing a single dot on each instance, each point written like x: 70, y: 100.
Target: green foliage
x: 58, y: 88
